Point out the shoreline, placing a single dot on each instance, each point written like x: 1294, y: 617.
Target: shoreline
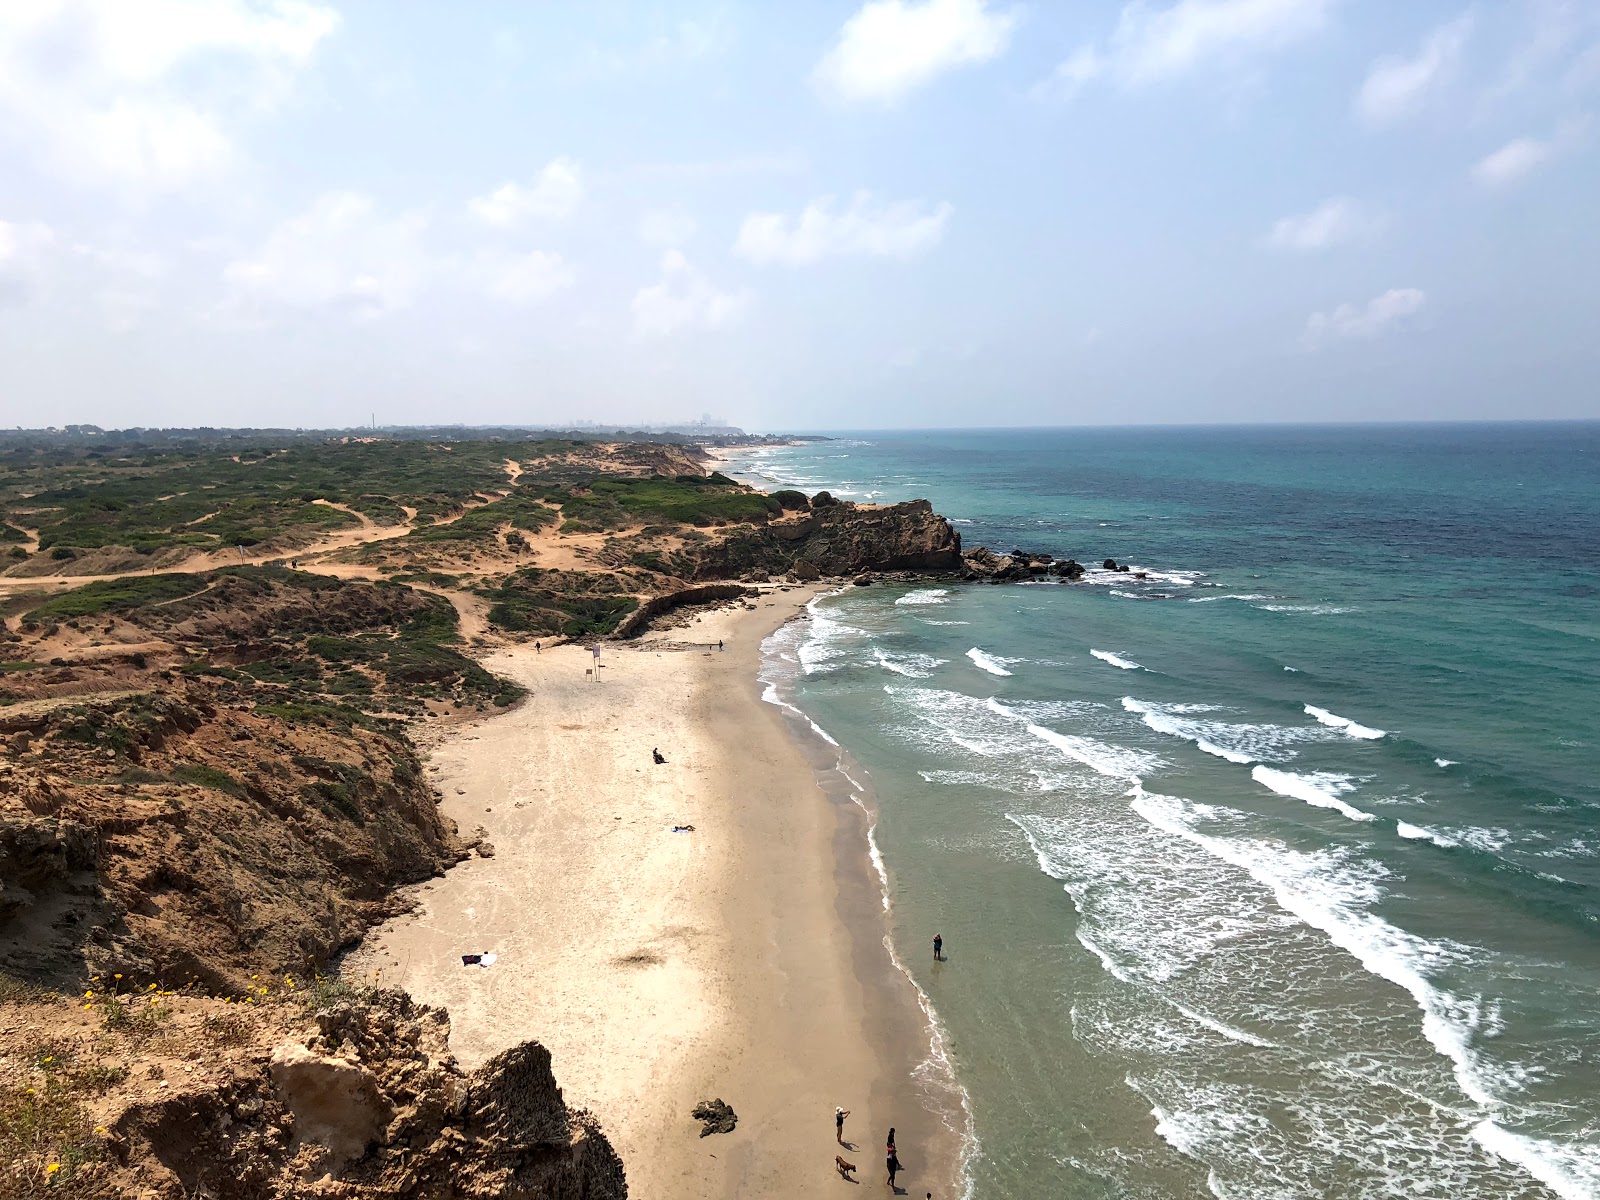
x: 748, y: 960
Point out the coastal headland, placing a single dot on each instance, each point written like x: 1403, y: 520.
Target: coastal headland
x: 269, y: 706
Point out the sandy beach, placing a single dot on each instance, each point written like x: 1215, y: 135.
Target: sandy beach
x: 744, y: 960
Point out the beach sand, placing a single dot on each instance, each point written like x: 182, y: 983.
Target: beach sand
x: 744, y: 961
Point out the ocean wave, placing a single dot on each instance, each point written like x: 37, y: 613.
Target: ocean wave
x: 1321, y: 789
x: 926, y: 596
x: 927, y: 621
x: 966, y: 721
x: 1238, y: 742
x: 1116, y: 660
x: 1335, y: 721
x: 1232, y: 596
x: 1421, y: 833
x: 991, y: 663
x: 1335, y: 892
x: 913, y: 666
x: 1442, y: 763
x: 1115, y: 762
x: 1570, y: 1170
x: 1321, y: 610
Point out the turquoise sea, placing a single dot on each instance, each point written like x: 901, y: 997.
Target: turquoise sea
x: 1275, y: 873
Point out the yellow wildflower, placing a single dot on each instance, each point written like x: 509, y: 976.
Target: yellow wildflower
x: 52, y: 1168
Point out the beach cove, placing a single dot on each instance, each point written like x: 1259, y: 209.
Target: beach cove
x: 744, y: 960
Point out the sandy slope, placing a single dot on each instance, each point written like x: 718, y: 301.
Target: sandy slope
x: 744, y: 960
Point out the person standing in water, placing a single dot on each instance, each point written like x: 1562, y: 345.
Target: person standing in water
x: 938, y: 947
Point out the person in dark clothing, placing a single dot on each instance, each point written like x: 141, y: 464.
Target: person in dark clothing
x: 938, y: 947
x: 656, y: 754
x: 892, y: 1160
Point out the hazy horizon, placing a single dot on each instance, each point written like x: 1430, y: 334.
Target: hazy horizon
x: 895, y: 214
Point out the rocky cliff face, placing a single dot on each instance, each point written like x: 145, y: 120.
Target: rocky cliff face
x: 178, y: 836
x: 358, y: 1097
x: 838, y: 539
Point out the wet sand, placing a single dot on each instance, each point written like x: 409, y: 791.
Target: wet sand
x: 744, y: 960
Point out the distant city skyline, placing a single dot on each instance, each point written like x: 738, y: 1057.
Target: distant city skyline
x: 891, y: 214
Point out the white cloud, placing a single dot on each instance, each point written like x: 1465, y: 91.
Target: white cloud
x: 522, y: 278
x: 1396, y: 88
x: 1521, y: 156
x: 880, y: 231
x: 890, y: 47
x: 555, y: 194
x: 1333, y: 222
x: 115, y: 90
x: 341, y: 254
x: 1377, y: 316
x: 684, y: 299
x: 1154, y: 44
x: 345, y: 255
x: 22, y: 251
x: 1512, y: 161
x: 666, y: 227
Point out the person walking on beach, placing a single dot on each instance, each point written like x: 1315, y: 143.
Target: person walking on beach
x: 839, y: 1114
x: 538, y: 648
x: 891, y: 1160
x: 938, y: 947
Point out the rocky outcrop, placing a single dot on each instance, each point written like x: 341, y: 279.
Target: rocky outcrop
x: 359, y: 1099
x: 837, y: 538
x: 985, y: 565
x: 639, y: 619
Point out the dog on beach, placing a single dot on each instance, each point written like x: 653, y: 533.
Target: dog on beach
x: 844, y: 1168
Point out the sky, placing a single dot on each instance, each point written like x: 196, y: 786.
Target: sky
x: 899, y: 213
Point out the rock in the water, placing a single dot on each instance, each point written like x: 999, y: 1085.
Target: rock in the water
x: 1110, y: 564
x: 715, y: 1116
x: 862, y: 580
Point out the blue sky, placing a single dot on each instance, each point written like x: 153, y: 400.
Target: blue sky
x: 902, y: 213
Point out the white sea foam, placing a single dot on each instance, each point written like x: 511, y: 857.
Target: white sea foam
x: 1335, y: 721
x: 1115, y: 762
x: 1442, y: 763
x: 1293, y: 670
x: 1229, y: 596
x: 1321, y: 610
x: 1571, y: 1171
x: 1332, y: 891
x: 771, y: 696
x: 1423, y: 833
x: 913, y: 666
x: 1238, y: 742
x: 1321, y: 788
x: 925, y: 596
x: 1231, y: 1032
x: 989, y: 662
x: 1116, y: 660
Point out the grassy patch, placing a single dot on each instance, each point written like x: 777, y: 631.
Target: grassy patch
x: 567, y: 603
x: 116, y: 596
